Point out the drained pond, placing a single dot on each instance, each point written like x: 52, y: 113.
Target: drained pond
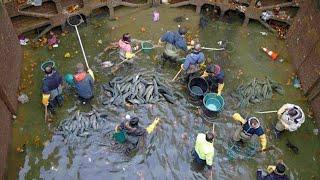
x: 39, y: 152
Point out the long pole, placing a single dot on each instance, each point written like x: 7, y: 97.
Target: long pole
x: 266, y: 112
x: 82, y: 49
x: 175, y: 77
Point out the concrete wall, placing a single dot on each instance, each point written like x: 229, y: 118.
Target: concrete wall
x: 11, y: 61
x: 304, y: 46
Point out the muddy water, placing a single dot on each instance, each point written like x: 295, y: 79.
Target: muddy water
x: 167, y: 152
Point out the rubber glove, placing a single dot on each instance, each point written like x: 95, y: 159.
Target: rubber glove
x: 182, y: 67
x: 91, y: 73
x: 160, y: 42
x: 130, y: 55
x: 152, y: 126
x: 237, y: 117
x: 45, y: 99
x: 271, y: 168
x: 220, y: 88
x: 136, y: 48
x: 263, y: 142
x: 189, y: 47
x: 205, y: 74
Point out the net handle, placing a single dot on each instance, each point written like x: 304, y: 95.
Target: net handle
x: 73, y: 15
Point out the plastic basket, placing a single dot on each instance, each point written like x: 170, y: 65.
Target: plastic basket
x: 213, y: 102
x: 146, y: 47
x: 46, y: 64
x: 119, y: 136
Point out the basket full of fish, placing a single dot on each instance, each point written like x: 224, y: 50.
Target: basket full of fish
x: 136, y: 89
x: 81, y: 124
x: 256, y: 91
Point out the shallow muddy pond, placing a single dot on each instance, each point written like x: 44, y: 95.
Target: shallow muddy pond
x: 167, y: 150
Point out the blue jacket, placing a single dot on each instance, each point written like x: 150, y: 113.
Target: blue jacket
x: 175, y: 39
x: 193, y: 59
x: 248, y: 130
x: 84, y: 86
x: 51, y: 82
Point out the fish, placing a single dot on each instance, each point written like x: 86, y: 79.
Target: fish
x: 292, y: 147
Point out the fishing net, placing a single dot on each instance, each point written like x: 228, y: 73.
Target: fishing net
x: 75, y: 20
x: 236, y: 151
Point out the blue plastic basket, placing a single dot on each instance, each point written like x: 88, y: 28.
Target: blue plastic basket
x: 146, y: 47
x: 213, y: 102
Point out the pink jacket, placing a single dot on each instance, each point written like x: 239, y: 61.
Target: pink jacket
x: 124, y: 47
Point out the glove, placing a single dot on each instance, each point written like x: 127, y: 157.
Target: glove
x: 136, y: 48
x: 130, y: 55
x: 189, y: 47
x: 220, y: 88
x: 91, y: 73
x: 205, y: 74
x: 160, y: 42
x: 182, y: 67
x: 236, y: 116
x: 152, y: 126
x: 270, y: 169
x: 45, y: 99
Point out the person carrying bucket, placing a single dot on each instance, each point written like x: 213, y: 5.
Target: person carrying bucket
x: 203, y: 152
x: 175, y: 41
x: 274, y: 173
x: 130, y: 132
x: 290, y: 117
x: 125, y: 51
x: 191, y: 64
x: 250, y: 126
x: 215, y: 78
x: 83, y: 83
x: 52, y: 89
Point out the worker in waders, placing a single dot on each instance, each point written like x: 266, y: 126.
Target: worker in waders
x: 174, y: 42
x: 215, y: 78
x: 274, y: 173
x: 204, y: 151
x: 290, y: 117
x: 83, y: 83
x: 249, y: 127
x: 125, y: 48
x: 192, y: 62
x: 131, y: 133
x: 52, y: 89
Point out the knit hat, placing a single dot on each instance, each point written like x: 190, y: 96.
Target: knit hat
x: 80, y: 67
x: 182, y: 30
x: 280, y: 169
x: 213, y: 68
x: 197, y: 47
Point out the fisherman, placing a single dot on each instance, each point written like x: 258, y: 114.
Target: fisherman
x: 290, y: 117
x: 274, y: 173
x: 132, y: 132
x: 174, y: 42
x: 204, y: 151
x: 191, y: 64
x: 250, y: 126
x: 52, y: 89
x: 215, y: 78
x: 53, y: 41
x: 83, y: 82
x: 125, y: 51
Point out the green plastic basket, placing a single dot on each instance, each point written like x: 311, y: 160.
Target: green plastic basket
x: 47, y: 63
x: 120, y: 136
x: 146, y: 47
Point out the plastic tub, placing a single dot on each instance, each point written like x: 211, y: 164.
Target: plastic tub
x: 213, y: 102
x: 47, y: 63
x: 197, y: 88
x: 146, y: 47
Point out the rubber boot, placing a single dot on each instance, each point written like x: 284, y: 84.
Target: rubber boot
x: 277, y: 133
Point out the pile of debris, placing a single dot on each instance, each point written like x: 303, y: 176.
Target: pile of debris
x: 256, y: 91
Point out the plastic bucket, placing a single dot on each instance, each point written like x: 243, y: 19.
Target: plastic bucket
x: 69, y: 79
x: 146, y: 47
x: 213, y: 102
x: 46, y: 64
x: 119, y: 136
x: 197, y: 88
